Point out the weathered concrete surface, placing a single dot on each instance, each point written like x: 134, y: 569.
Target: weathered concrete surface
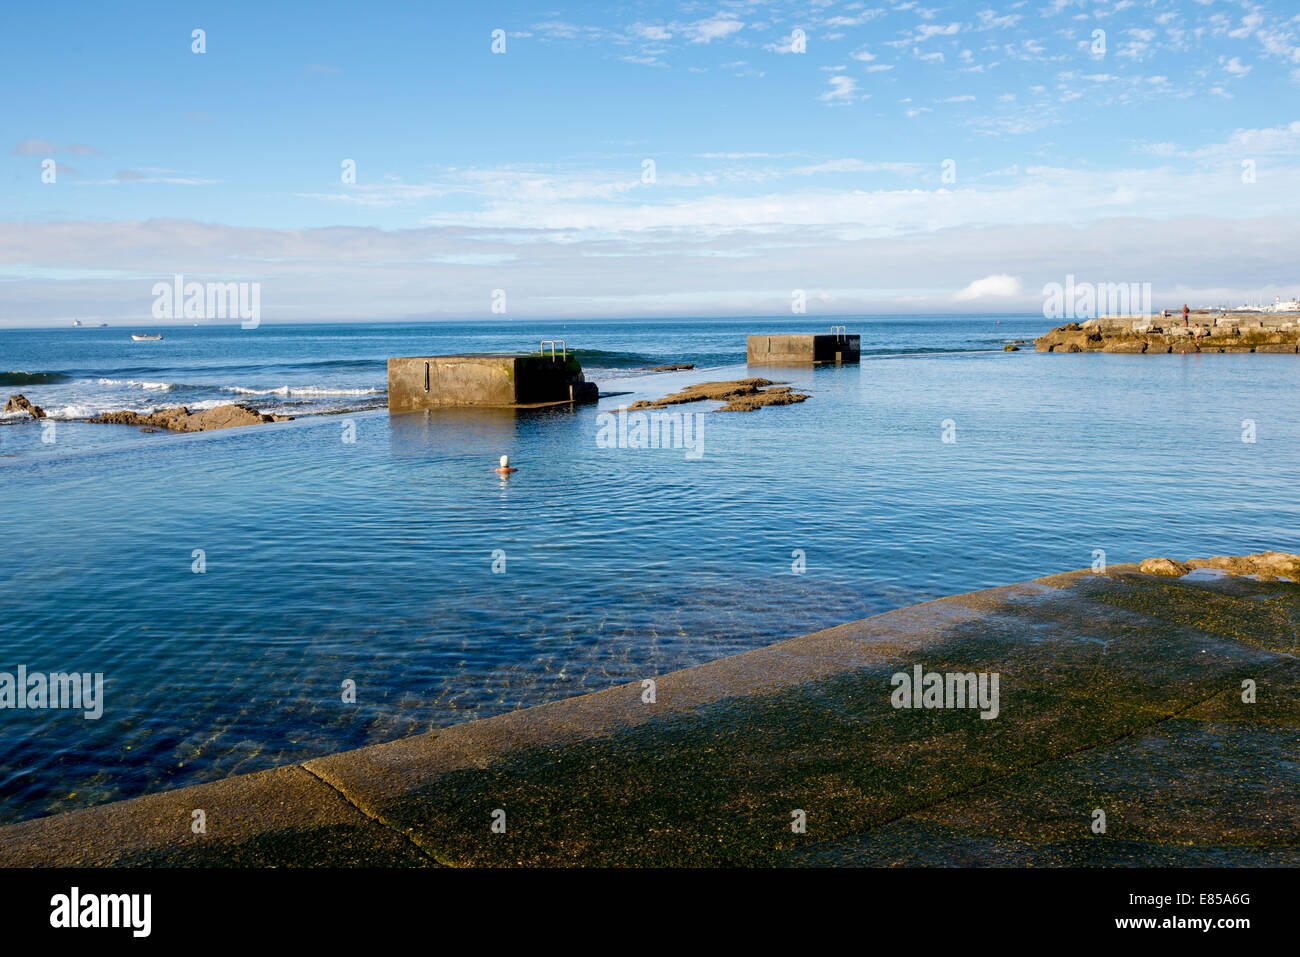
x: 284, y: 817
x: 428, y: 382
x: 802, y: 349
x: 1119, y: 691
x: 1213, y: 786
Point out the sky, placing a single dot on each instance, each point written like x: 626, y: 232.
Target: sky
x: 425, y: 161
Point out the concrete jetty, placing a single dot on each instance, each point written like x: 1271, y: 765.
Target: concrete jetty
x: 803, y: 348
x: 1163, y: 704
x: 521, y: 380
x: 1163, y: 333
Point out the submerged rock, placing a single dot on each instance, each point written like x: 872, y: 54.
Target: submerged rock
x: 181, y: 419
x: 780, y: 395
x: 740, y: 395
x: 19, y: 403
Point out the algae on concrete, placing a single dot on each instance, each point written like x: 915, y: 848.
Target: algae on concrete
x: 1120, y: 691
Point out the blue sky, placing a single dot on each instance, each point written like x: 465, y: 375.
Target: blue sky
x: 794, y: 146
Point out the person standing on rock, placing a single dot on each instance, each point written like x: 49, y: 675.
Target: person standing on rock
x: 1185, y: 311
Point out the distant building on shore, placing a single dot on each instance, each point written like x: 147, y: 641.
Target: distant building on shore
x: 1278, y: 305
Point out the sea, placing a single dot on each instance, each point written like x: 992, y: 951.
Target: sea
x: 260, y: 596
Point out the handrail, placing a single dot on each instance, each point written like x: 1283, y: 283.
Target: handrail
x: 564, y: 348
x: 841, y: 331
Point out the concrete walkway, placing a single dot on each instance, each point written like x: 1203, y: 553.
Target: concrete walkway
x: 1119, y: 693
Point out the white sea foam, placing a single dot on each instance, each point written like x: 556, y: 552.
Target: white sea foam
x: 304, y: 391
x: 90, y: 397
x: 284, y: 391
x: 152, y: 386
x: 73, y: 412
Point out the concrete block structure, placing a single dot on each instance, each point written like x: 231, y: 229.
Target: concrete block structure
x: 516, y: 380
x: 802, y: 349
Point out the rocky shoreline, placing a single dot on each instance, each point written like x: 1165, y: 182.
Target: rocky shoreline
x: 1223, y: 332
x: 19, y: 403
x: 178, y: 419
x: 181, y: 419
x: 1265, y: 566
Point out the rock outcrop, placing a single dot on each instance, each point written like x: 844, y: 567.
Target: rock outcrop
x: 1157, y: 335
x: 181, y: 419
x: 740, y: 395
x: 19, y: 403
x: 1163, y: 566
x: 1267, y: 566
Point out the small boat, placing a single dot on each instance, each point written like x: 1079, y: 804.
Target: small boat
x: 147, y: 338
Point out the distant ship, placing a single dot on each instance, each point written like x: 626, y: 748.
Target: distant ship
x: 147, y: 338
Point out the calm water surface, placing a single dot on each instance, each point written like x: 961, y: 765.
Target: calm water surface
x: 372, y: 561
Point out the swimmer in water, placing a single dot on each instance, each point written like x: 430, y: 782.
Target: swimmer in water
x: 505, y: 468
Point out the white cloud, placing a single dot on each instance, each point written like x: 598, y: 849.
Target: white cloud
x: 997, y: 286
x: 927, y: 30
x: 650, y: 31
x: 784, y: 45
x: 843, y: 90
x: 432, y: 272
x: 856, y: 20
x: 715, y: 28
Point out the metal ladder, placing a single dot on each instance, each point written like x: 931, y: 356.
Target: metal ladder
x: 564, y: 349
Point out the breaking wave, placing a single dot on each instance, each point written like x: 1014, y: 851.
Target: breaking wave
x: 33, y: 378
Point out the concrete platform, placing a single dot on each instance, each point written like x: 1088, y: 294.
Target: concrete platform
x: 802, y: 349
x: 1119, y: 691
x: 509, y: 380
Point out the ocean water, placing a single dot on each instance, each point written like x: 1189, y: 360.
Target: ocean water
x: 402, y: 563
